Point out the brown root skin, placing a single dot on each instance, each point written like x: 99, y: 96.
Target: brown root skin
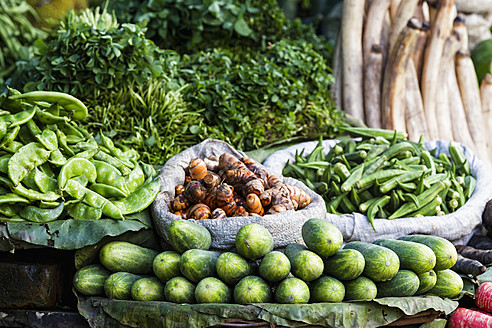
x: 253, y: 204
x: 480, y: 255
x: 210, y: 198
x: 224, y: 194
x: 211, y: 180
x: 372, y: 86
x: 277, y: 209
x: 414, y: 108
x: 179, y: 189
x: 197, y: 168
x: 195, y: 191
x: 180, y: 202
x: 273, y: 181
x: 468, y: 266
x: 212, y: 163
x: 199, y: 212
x: 481, y: 242
x: 218, y: 213
x: 255, y: 167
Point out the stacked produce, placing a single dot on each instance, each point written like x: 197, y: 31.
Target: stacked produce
x: 385, y: 177
x: 227, y: 186
x: 406, y: 65
x: 52, y: 168
x: 320, y: 271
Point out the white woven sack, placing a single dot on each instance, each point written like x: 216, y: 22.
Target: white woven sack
x: 285, y: 227
x: 458, y: 227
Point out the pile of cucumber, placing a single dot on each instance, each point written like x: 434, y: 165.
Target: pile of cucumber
x: 383, y: 175
x: 319, y: 271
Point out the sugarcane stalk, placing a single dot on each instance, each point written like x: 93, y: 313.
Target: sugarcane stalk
x: 372, y: 87
x: 486, y: 99
x: 414, y: 108
x: 393, y: 100
x: 352, y: 65
x: 439, y: 32
x: 470, y: 93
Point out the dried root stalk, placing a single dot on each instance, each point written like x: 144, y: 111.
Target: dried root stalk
x: 442, y: 100
x: 440, y: 30
x: 352, y: 65
x: 414, y: 108
x: 393, y: 100
x: 470, y: 93
x: 405, y: 12
x: 374, y: 26
x: 486, y: 99
x: 372, y: 87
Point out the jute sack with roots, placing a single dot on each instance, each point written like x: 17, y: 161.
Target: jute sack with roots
x: 458, y: 227
x: 285, y: 227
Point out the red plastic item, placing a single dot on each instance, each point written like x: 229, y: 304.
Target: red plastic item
x: 468, y: 318
x: 483, y: 296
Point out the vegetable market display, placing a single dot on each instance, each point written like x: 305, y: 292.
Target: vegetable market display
x: 52, y: 168
x: 227, y: 186
x: 322, y: 271
x: 408, y: 67
x: 385, y: 177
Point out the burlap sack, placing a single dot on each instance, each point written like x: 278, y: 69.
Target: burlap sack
x: 458, y: 227
x: 285, y: 227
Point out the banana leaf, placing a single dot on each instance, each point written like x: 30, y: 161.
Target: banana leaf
x: 105, y: 312
x: 69, y: 234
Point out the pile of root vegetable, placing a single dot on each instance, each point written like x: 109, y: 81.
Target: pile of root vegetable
x: 227, y: 186
x: 406, y: 65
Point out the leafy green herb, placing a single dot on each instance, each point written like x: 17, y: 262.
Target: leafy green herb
x: 92, y: 54
x: 17, y: 34
x: 253, y: 98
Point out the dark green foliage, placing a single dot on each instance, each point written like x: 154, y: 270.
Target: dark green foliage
x: 258, y: 97
x: 189, y: 25
x: 17, y: 34
x: 92, y: 54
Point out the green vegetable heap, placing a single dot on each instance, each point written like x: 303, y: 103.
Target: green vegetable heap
x: 51, y: 168
x: 385, y: 177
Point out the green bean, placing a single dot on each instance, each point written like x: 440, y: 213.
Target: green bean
x: 70, y: 130
x: 62, y: 141
x: 429, y: 161
x: 470, y: 184
x: 4, y: 161
x: 135, y: 179
x: 83, y: 211
x: 459, y: 189
x: 19, y: 118
x: 35, y: 195
x: 459, y: 158
x: 354, y: 197
x: 48, y: 118
x: 365, y: 205
x: 105, y: 157
x: 74, y: 167
x: 25, y: 159
x: 352, y: 179
x: 47, y: 137
x: 41, y: 215
x: 57, y: 158
x: 9, y: 210
x: 108, y: 143
x: 375, y: 206
x: 380, y: 176
x: 75, y: 189
x: 430, y: 208
x: 399, y: 179
x: 74, y: 106
x: 335, y: 202
x: 13, y: 199
x: 423, y: 199
x: 10, y: 136
x: 107, y: 191
x: 341, y: 170
x: 374, y: 133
